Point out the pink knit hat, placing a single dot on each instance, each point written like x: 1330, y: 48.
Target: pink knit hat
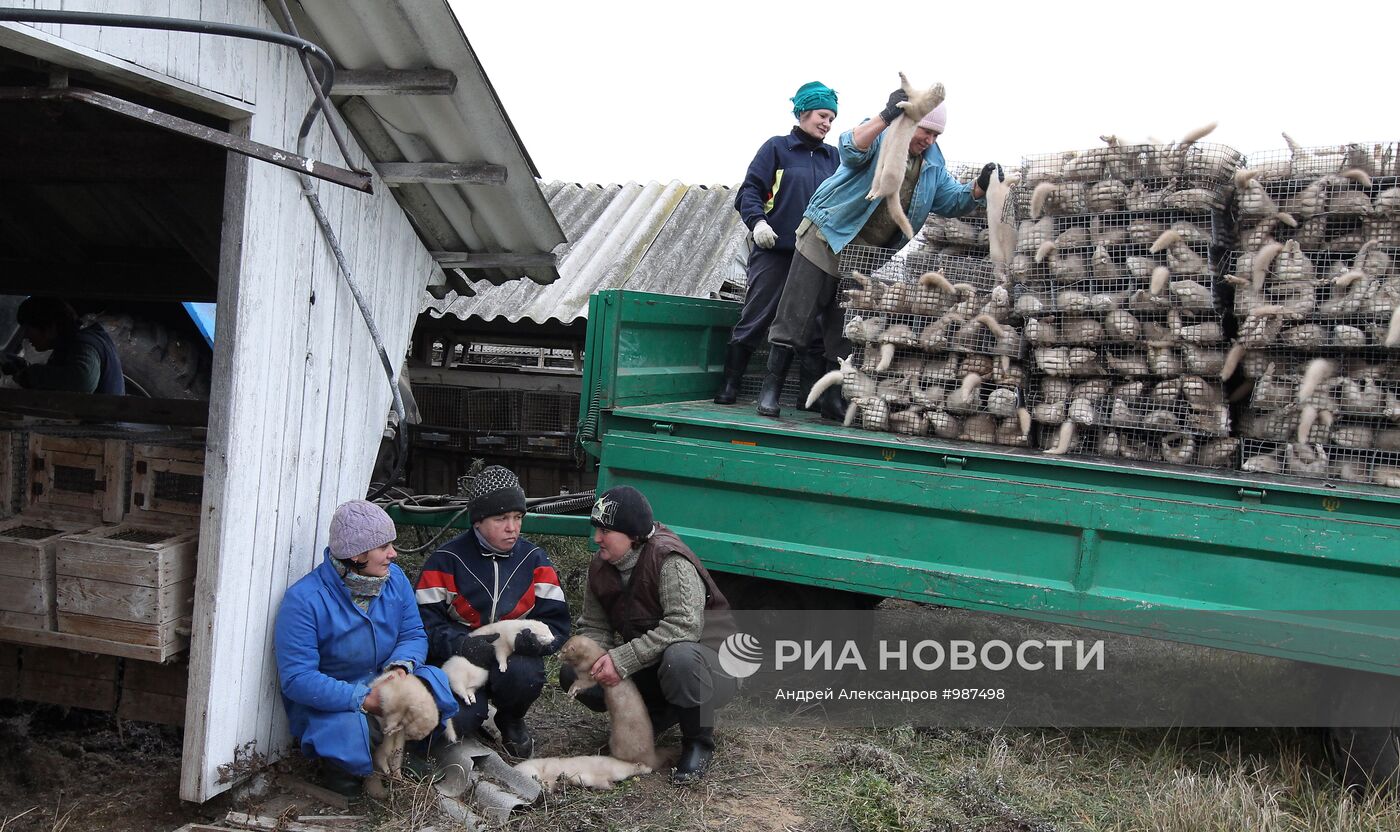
x: 936, y: 119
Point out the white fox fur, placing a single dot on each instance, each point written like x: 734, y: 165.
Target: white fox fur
x: 407, y: 711
x: 465, y: 678
x: 591, y: 772
x: 1318, y: 371
x: 1002, y: 235
x: 630, y: 735
x: 508, y: 630
x: 894, y: 150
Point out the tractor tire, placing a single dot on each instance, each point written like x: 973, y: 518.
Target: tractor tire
x: 1366, y: 753
x: 1366, y: 759
x: 158, y: 362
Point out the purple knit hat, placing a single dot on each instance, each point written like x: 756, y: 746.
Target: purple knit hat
x: 358, y: 526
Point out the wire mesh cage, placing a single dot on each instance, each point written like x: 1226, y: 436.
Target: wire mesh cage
x: 1120, y: 177
x: 1115, y: 444
x: 1188, y: 404
x: 1286, y: 297
x: 1317, y: 461
x: 441, y: 405
x: 1359, y: 388
x: 1306, y: 163
x: 548, y: 419
x: 493, y: 420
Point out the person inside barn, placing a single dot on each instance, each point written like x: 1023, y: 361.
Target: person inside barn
x: 83, y: 357
x: 840, y: 215
x: 780, y: 180
x: 653, y: 606
x: 489, y: 574
x: 350, y: 620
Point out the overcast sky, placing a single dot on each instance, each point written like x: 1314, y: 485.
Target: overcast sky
x: 641, y: 91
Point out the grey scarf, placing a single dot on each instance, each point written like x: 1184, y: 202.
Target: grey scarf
x: 363, y: 588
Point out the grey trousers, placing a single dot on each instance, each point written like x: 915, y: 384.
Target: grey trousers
x: 688, y: 676
x: 809, y: 300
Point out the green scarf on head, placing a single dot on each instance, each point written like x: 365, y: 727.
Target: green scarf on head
x: 813, y: 95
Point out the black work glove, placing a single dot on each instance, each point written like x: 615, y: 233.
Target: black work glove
x: 478, y: 650
x: 528, y: 644
x: 11, y: 363
x: 891, y: 111
x: 985, y: 177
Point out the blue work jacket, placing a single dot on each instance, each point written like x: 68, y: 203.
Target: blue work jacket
x: 329, y: 650
x: 839, y: 207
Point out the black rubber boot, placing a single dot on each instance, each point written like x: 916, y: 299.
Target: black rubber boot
x: 515, y: 736
x: 812, y: 367
x: 697, y: 748
x: 736, y: 362
x: 341, y: 781
x: 779, y: 360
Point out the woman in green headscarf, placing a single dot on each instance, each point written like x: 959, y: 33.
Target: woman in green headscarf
x: 781, y: 179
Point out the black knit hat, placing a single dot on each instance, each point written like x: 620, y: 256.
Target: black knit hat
x: 495, y: 491
x: 623, y: 509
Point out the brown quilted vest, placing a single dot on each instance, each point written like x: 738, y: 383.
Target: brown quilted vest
x: 636, y: 608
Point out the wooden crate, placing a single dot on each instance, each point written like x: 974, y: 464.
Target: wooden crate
x: 28, y: 585
x: 68, y: 677
x: 154, y: 692
x: 77, y: 477
x: 133, y: 583
x: 71, y: 482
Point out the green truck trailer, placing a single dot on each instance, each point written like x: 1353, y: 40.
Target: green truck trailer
x: 799, y: 512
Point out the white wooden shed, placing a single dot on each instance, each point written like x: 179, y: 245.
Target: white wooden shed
x: 298, y: 396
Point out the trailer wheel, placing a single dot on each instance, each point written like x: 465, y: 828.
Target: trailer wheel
x: 156, y: 361
x: 1366, y: 758
x: 746, y: 592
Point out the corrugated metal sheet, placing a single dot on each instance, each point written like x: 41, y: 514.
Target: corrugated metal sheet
x: 677, y: 239
x: 470, y: 125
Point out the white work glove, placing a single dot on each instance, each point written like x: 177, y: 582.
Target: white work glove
x: 763, y: 235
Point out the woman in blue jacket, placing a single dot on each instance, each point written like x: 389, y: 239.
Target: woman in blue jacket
x: 343, y: 624
x: 781, y: 179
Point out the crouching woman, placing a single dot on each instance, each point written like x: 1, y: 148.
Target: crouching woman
x: 348, y: 621
x: 653, y: 606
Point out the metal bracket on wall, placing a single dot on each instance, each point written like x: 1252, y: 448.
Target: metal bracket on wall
x: 256, y: 150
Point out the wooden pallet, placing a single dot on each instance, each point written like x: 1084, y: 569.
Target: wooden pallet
x: 154, y: 692
x: 68, y: 677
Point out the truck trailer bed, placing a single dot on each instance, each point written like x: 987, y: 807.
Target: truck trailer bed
x: 1276, y: 566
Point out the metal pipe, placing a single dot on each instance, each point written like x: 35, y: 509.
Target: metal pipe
x: 321, y: 103
x: 358, y: 180
x: 173, y: 24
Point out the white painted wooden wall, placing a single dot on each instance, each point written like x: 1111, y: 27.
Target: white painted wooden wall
x: 298, y: 398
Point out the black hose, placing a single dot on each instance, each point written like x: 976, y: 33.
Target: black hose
x: 175, y: 24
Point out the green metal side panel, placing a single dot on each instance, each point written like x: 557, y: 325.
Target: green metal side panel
x: 1296, y: 567
x: 644, y: 348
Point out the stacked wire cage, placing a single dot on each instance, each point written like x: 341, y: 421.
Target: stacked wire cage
x: 934, y: 352
x: 1116, y: 268
x: 1317, y: 299
x: 966, y: 236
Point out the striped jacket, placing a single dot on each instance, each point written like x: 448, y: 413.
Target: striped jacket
x: 464, y: 585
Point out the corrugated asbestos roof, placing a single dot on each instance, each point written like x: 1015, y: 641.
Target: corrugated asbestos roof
x: 675, y: 239
x: 469, y: 125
